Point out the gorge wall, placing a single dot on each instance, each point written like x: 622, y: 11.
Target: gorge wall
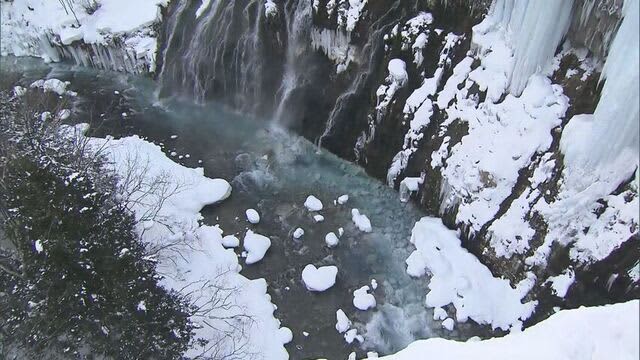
x: 460, y: 105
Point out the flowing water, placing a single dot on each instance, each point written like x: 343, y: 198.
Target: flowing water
x: 273, y: 171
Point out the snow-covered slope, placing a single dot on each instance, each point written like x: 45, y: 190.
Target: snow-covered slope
x: 113, y: 34
x: 597, y: 333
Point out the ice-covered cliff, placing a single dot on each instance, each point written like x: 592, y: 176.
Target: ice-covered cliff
x: 108, y: 34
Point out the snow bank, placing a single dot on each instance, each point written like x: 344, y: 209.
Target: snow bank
x: 256, y: 246
x: 192, y: 256
x: 319, y: 279
x: 458, y: 278
x: 597, y: 333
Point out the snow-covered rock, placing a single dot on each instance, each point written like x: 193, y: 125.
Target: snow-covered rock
x: 252, y: 216
x: 230, y: 241
x: 298, y: 233
x: 312, y: 203
x: 362, y: 221
x: 318, y: 218
x: 319, y: 279
x: 362, y: 299
x: 342, y: 199
x: 256, y: 246
x: 342, y: 321
x: 331, y: 240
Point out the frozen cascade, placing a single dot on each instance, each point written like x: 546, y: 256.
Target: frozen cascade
x: 611, y: 134
x: 534, y: 30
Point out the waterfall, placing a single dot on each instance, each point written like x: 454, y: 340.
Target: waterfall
x: 216, y: 54
x: 298, y: 22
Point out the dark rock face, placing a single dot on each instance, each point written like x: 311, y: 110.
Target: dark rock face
x: 320, y: 69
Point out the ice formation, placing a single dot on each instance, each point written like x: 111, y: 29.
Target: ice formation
x: 532, y: 30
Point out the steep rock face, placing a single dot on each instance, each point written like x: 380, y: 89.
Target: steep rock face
x: 460, y: 110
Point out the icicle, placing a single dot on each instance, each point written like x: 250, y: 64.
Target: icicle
x: 605, y: 145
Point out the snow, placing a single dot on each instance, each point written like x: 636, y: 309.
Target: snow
x: 313, y: 203
x: 331, y: 240
x: 202, y: 8
x: 458, y: 278
x: 598, y: 333
x: 38, y: 246
x: 202, y: 259
x: 560, y: 284
x: 342, y: 321
x: 28, y: 32
x: 362, y: 299
x: 54, y: 85
x: 319, y: 279
x: 252, y: 216
x: 408, y: 186
x: 256, y: 246
x: 600, y: 152
x: 298, y: 233
x: 448, y: 324
x: 230, y: 241
x: 362, y: 221
x: 318, y: 218
x: 521, y: 37
x: 439, y: 314
x: 270, y: 8
x: 398, y: 71
x: 342, y: 199
x: 352, y: 335
x: 483, y: 168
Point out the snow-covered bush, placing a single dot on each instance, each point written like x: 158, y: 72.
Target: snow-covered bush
x: 75, y: 279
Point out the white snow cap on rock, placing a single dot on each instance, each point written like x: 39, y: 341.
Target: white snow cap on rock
x: 298, y: 233
x: 342, y: 321
x: 362, y: 300
x: 342, y: 199
x: 313, y: 203
x: 448, y: 324
x: 318, y: 218
x: 319, y: 279
x: 362, y: 221
x: 256, y: 246
x: 398, y: 71
x: 331, y: 240
x: 351, y: 335
x: 230, y: 241
x: 252, y: 216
